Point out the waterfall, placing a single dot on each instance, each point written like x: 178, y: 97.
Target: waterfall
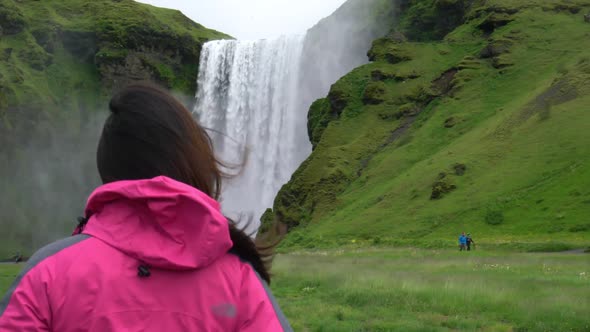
x: 255, y: 95
x: 248, y: 100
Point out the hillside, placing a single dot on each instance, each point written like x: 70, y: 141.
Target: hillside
x: 59, y: 62
x: 472, y: 116
x: 57, y: 55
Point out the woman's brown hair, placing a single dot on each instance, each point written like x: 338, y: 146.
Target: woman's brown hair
x: 150, y: 133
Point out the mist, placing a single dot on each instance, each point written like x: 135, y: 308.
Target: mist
x: 45, y: 183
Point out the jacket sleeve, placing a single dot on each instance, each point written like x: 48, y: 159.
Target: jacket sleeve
x: 25, y: 308
x: 258, y: 309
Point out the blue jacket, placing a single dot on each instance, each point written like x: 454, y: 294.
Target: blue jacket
x: 462, y: 239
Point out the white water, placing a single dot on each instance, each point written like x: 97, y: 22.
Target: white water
x: 248, y: 98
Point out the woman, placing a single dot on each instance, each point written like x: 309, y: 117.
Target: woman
x: 154, y: 252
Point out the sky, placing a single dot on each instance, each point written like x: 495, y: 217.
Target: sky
x: 254, y: 19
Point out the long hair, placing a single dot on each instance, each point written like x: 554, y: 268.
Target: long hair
x: 148, y: 134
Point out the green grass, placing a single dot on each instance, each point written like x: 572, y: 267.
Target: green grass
x: 8, y: 272
x: 433, y: 290
x: 525, y: 145
x: 384, y: 289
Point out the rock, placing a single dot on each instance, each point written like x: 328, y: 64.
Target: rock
x: 338, y: 101
x: 450, y: 122
x: 11, y: 19
x: 460, y: 169
x: 375, y: 93
x: 398, y: 37
x: 435, y: 20
x: 408, y: 110
x: 35, y: 56
x: 395, y: 57
x: 420, y: 95
x: 587, y: 18
x: 444, y: 84
x: 380, y: 75
x: 440, y: 188
x: 494, y: 21
x: 46, y: 39
x: 118, y: 73
x: 318, y: 118
x: 562, y: 7
x: 496, y: 48
x: 266, y: 221
x: 81, y: 44
x: 5, y: 54
x: 384, y: 49
x: 501, y: 62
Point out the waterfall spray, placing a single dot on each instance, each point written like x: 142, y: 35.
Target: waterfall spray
x: 248, y: 98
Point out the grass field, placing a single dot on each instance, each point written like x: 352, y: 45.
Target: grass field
x: 424, y: 290
x: 427, y: 290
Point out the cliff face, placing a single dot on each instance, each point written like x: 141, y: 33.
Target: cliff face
x: 468, y: 118
x: 65, y: 55
x: 60, y: 60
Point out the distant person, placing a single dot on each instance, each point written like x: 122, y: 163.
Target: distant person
x: 18, y: 257
x: 154, y: 252
x: 462, y: 242
x: 470, y: 242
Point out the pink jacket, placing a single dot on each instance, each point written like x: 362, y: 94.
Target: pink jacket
x: 98, y: 281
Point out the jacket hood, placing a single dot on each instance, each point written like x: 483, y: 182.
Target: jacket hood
x: 160, y: 222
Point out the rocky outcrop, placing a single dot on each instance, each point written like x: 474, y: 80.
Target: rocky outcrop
x: 440, y: 188
x: 81, y: 44
x: 144, y: 53
x: 494, y: 21
x: 338, y: 101
x: 384, y: 75
x: 317, y: 120
x: 389, y: 50
x: 496, y: 48
x: 374, y: 93
x: 432, y: 19
x: 12, y: 20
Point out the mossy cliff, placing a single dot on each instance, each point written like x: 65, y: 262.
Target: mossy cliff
x: 68, y: 54
x: 469, y: 110
x: 60, y: 60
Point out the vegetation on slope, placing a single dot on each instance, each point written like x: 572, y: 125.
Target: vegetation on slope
x: 57, y: 55
x: 481, y: 129
x: 59, y: 62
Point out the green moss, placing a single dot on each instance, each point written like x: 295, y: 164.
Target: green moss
x: 266, y: 221
x: 386, y: 49
x: 433, y: 19
x: 375, y: 93
x: 317, y: 119
x: 11, y: 18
